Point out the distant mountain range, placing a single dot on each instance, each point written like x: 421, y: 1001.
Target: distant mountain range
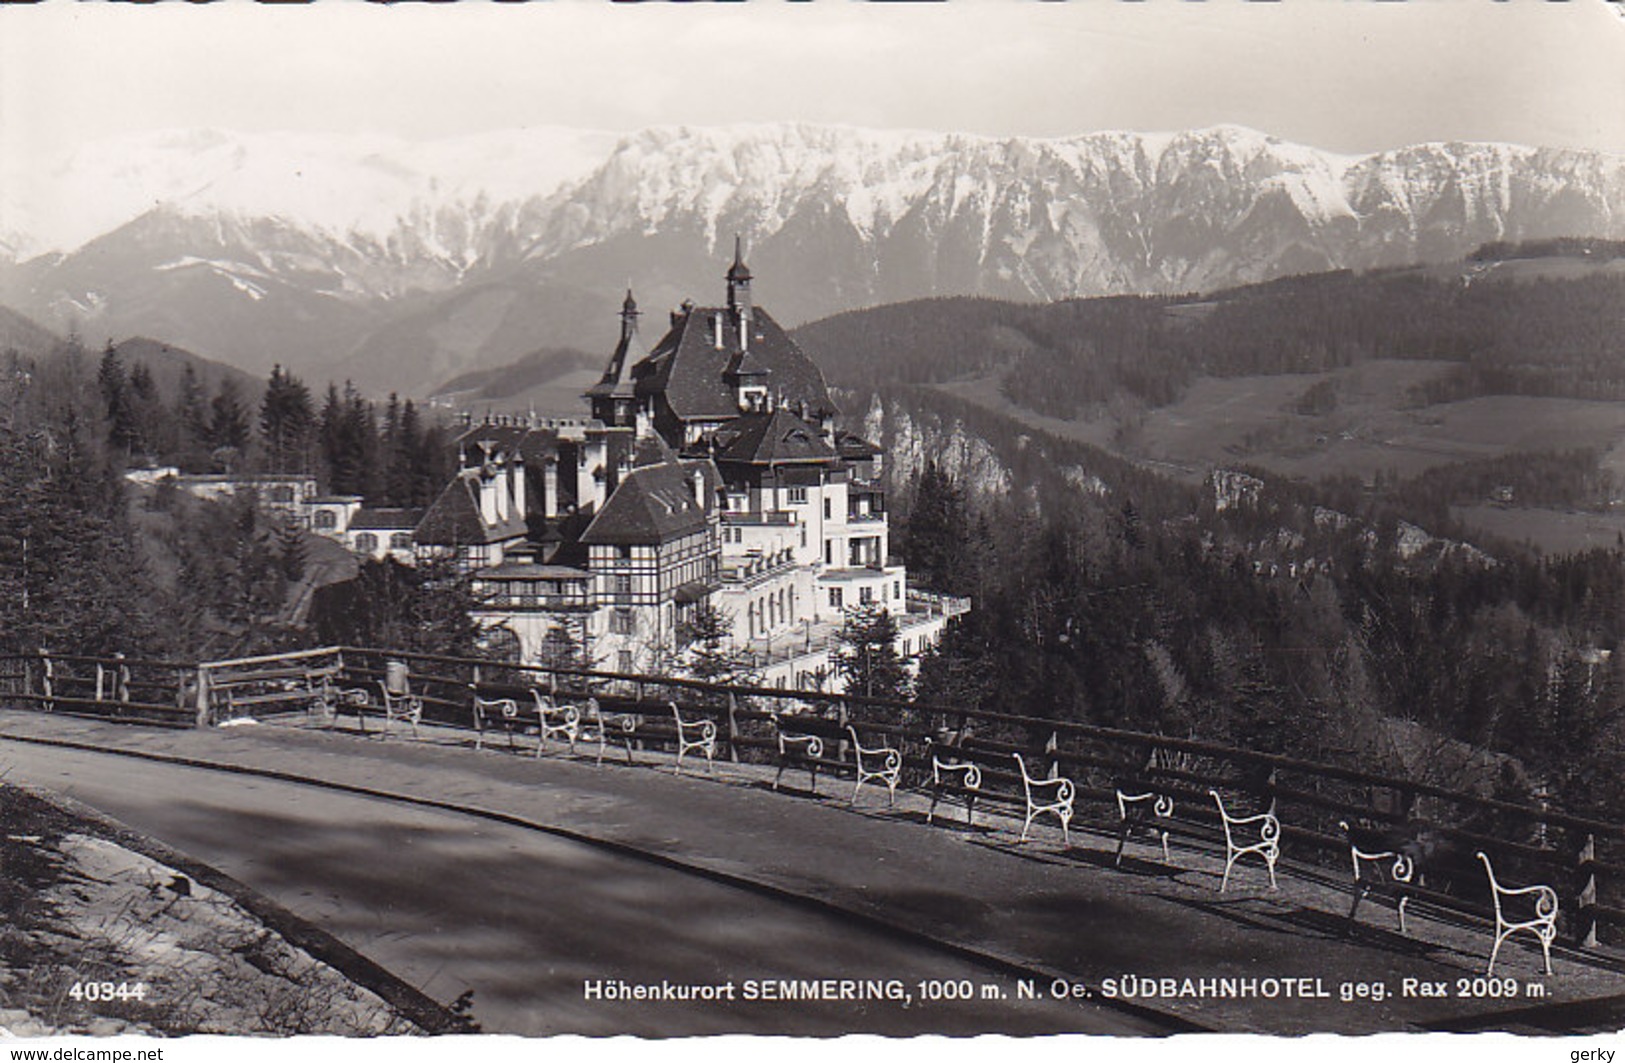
x: 403, y: 266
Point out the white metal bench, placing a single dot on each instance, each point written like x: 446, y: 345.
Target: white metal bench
x: 1054, y: 796
x: 488, y: 711
x: 1162, y: 807
x: 797, y: 746
x: 1268, y: 845
x: 597, y: 725
x: 880, y: 762
x: 1399, y: 872
x: 400, y: 705
x: 1543, y: 924
x: 555, y: 721
x: 948, y: 769
x: 356, y: 699
x: 695, y: 734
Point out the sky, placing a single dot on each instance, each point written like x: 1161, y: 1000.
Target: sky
x: 1343, y: 75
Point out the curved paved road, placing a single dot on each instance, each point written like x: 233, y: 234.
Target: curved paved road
x: 452, y: 902
x: 1036, y: 907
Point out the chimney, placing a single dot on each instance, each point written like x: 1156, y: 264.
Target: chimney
x: 487, y: 488
x: 517, y: 476
x: 550, y: 488
x: 697, y: 485
x: 716, y: 330
x: 502, y: 488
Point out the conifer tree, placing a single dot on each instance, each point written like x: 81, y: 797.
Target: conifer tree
x: 709, y: 655
x: 426, y: 608
x: 192, y: 423
x: 292, y: 554
x: 286, y: 423
x: 407, y: 472
x: 938, y: 531
x: 868, y: 659
x: 349, y: 438
x: 115, y: 388
x: 155, y: 431
x: 228, y: 432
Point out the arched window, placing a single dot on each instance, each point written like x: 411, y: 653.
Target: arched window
x: 366, y: 543
x: 400, y: 541
x: 326, y: 520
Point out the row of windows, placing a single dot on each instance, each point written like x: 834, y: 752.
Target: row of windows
x: 866, y: 595
x: 367, y: 542
x: 769, y: 613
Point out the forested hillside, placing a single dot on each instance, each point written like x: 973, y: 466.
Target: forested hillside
x: 1255, y: 611
x: 1552, y: 332
x: 95, y: 565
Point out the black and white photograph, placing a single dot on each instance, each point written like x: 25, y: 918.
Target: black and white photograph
x: 1100, y: 524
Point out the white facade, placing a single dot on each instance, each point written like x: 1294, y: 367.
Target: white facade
x: 794, y: 536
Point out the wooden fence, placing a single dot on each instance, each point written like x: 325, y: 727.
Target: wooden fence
x: 1584, y: 858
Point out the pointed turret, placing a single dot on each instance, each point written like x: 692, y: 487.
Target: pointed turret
x: 613, y: 398
x: 739, y: 281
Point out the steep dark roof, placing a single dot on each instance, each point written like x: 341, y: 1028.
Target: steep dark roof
x: 763, y: 438
x: 654, y: 504
x: 854, y: 448
x: 386, y: 519
x: 454, y: 519
x: 616, y: 383
x: 691, y: 372
x: 652, y: 450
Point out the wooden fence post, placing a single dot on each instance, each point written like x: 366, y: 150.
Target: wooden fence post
x: 1585, y: 925
x: 101, y: 677
x: 48, y: 679
x: 733, y: 728
x: 121, y: 685
x: 1051, y: 747
x: 202, y: 697
x: 1269, y: 789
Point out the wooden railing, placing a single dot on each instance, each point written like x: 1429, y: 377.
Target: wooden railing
x: 156, y: 693
x: 1583, y: 857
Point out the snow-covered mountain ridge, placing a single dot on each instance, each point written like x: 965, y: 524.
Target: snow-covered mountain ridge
x: 176, y: 232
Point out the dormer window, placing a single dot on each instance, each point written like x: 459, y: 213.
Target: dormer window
x: 752, y: 399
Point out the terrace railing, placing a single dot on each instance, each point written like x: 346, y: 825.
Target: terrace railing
x: 1583, y: 857
x: 127, y: 690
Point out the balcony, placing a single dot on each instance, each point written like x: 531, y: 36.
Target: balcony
x: 754, y: 568
x: 936, y: 604
x: 528, y: 602
x: 780, y: 517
